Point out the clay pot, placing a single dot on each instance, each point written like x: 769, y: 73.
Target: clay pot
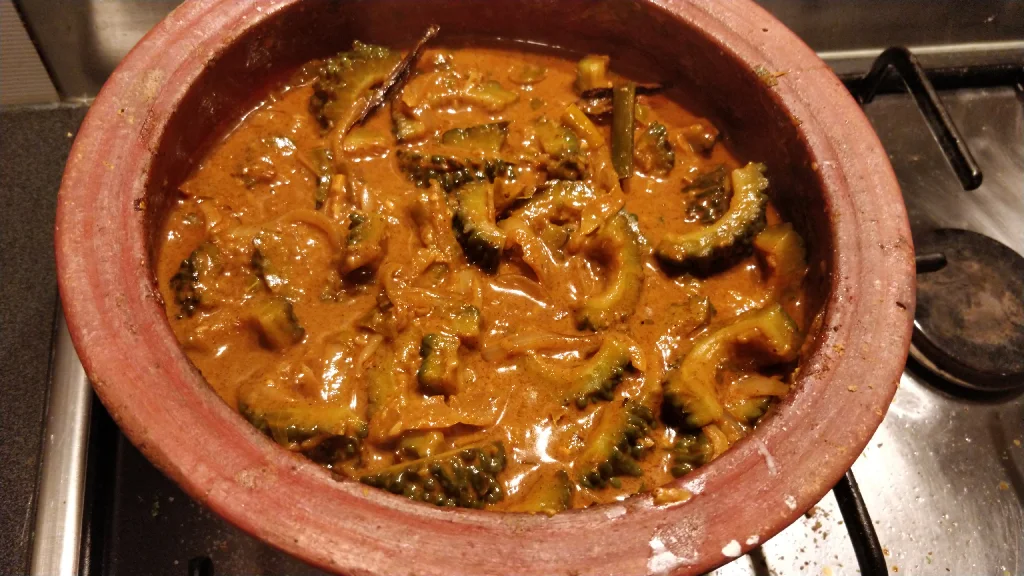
x: 202, y: 66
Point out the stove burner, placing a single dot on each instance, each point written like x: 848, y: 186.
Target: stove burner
x: 969, y: 322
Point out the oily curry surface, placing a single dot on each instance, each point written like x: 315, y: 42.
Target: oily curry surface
x: 523, y: 283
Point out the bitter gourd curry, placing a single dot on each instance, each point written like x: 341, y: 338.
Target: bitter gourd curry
x: 524, y: 283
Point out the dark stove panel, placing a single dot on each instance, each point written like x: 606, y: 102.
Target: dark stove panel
x: 146, y: 525
x: 34, y: 143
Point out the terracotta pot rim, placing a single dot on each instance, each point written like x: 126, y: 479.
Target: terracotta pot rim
x: 144, y: 379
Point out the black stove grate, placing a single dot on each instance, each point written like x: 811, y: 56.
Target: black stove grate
x: 905, y: 64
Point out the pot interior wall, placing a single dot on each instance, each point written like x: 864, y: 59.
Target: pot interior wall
x: 638, y: 36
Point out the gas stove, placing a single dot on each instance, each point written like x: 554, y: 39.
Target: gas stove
x: 939, y: 489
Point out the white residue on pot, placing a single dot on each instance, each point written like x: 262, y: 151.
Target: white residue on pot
x: 790, y: 502
x: 670, y: 549
x: 662, y: 560
x: 613, y: 512
x: 732, y: 549
x: 695, y: 486
x: 769, y: 460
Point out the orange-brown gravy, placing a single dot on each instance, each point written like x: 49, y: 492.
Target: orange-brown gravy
x: 255, y: 191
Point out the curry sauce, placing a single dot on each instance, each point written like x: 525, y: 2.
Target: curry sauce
x: 524, y: 283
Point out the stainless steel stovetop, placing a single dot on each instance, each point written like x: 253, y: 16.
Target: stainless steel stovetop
x: 943, y: 477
